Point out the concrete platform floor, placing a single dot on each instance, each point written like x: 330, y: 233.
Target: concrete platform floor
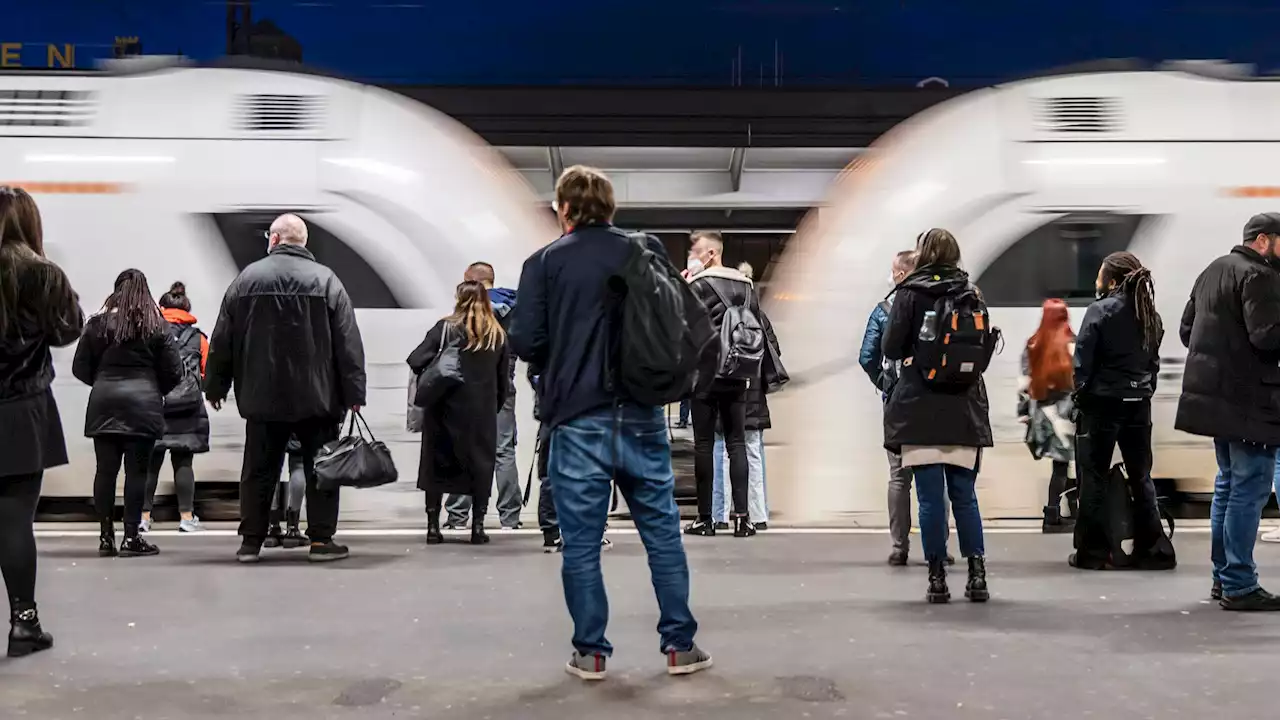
x: 801, y: 626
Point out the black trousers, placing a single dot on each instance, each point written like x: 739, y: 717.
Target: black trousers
x: 19, y: 495
x: 726, y: 404
x: 135, y: 453
x: 548, y: 522
x: 1103, y: 424
x: 265, y: 446
x: 184, y: 478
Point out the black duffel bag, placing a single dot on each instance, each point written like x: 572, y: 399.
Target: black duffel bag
x: 354, y: 461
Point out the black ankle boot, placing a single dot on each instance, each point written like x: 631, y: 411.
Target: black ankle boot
x: 25, y: 634
x: 976, y: 588
x: 938, y: 592
x: 1054, y: 523
x: 293, y: 537
x: 434, y: 536
x: 478, y: 536
x: 742, y: 527
x: 107, y: 540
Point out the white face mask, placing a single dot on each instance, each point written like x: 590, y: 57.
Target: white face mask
x: 695, y: 265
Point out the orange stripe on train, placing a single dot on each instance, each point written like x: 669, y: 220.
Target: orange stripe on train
x: 70, y: 188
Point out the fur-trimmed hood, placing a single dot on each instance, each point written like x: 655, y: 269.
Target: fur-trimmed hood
x: 721, y: 271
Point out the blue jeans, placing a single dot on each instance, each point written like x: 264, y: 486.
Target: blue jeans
x: 1243, y: 485
x: 757, y: 493
x: 628, y: 444
x: 685, y: 406
x: 934, y: 483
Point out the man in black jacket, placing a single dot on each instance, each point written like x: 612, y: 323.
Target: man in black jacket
x: 1231, y: 392
x: 288, y: 340
x: 724, y: 403
x: 567, y: 326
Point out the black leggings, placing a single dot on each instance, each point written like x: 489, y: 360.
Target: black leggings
x: 1057, y: 483
x: 19, y: 495
x: 184, y: 479
x: 135, y: 452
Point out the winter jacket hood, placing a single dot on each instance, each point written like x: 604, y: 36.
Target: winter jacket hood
x: 935, y: 281
x: 178, y: 316
x: 504, y: 301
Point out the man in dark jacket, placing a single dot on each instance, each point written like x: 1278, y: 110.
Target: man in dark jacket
x: 507, y: 475
x: 288, y: 340
x: 567, y: 326
x: 1231, y: 392
x: 724, y: 403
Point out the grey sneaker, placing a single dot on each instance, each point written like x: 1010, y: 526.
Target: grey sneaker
x: 687, y: 662
x: 190, y: 526
x: 586, y: 667
x: 144, y: 525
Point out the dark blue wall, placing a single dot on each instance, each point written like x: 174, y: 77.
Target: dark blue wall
x: 653, y: 42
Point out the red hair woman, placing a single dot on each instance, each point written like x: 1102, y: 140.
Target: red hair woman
x: 1045, y: 405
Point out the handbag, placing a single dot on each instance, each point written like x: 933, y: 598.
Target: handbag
x: 414, y: 416
x: 443, y: 373
x: 354, y: 461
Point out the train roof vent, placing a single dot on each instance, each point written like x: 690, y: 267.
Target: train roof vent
x: 280, y: 113
x: 1078, y: 114
x: 46, y: 108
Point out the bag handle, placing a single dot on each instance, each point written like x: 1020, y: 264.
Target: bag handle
x: 725, y: 300
x: 353, y: 428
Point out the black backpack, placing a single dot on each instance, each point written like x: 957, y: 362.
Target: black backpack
x: 956, y: 340
x: 741, y: 339
x: 189, y: 393
x: 665, y: 329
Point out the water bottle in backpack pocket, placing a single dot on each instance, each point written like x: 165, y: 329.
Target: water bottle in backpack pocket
x: 956, y: 340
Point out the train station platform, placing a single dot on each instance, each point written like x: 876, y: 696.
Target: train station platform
x: 802, y: 625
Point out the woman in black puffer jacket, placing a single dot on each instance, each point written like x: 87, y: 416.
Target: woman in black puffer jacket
x: 126, y: 354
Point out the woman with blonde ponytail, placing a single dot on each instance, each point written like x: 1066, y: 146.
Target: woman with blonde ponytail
x: 460, y: 431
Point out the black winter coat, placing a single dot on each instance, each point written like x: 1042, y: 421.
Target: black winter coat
x: 1110, y: 361
x: 47, y: 315
x: 188, y: 429
x: 129, y: 381
x: 287, y: 337
x: 460, y: 433
x: 915, y: 413
x: 1231, y: 327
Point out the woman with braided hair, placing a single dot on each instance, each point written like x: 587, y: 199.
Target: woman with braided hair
x: 1117, y: 360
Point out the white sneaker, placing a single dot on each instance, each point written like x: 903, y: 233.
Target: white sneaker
x: 1271, y: 537
x: 190, y: 526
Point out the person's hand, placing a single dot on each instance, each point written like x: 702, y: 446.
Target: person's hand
x: 1024, y: 419
x: 685, y: 273
x: 215, y: 404
x: 355, y: 409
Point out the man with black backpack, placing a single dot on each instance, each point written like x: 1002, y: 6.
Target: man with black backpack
x: 734, y: 309
x: 614, y: 334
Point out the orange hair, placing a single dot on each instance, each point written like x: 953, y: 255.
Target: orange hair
x: 1049, y: 352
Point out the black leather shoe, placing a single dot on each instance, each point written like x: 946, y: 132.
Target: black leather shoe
x: 275, y: 538
x: 328, y: 552
x: 137, y: 547
x: 107, y: 545
x: 701, y: 526
x: 898, y: 558
x: 478, y: 535
x: 1215, y: 592
x: 434, y: 536
x: 25, y: 634
x: 293, y: 535
x: 938, y: 591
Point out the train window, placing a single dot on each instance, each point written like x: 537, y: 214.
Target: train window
x: 1058, y: 259
x: 243, y: 234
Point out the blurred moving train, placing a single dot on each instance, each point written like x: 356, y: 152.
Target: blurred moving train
x: 177, y: 170
x: 1039, y: 180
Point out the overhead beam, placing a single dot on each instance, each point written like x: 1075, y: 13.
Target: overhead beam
x: 737, y: 159
x: 556, y: 160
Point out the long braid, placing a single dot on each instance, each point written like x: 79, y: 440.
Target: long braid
x: 1134, y: 280
x: 129, y: 312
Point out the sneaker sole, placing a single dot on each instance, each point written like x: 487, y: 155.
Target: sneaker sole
x: 581, y: 674
x: 1269, y: 539
x: 690, y: 668
x: 128, y: 554
x: 327, y: 558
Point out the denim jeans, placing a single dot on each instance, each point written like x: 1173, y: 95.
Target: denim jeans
x: 934, y: 483
x: 1243, y: 485
x: 685, y: 406
x: 757, y: 497
x: 628, y: 445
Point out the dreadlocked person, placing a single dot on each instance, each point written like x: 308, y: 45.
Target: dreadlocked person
x: 1117, y: 359
x: 127, y: 355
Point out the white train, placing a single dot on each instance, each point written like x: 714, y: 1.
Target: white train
x: 1039, y: 180
x: 176, y: 170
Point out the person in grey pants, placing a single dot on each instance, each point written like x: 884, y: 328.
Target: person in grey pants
x: 883, y: 375
x: 510, y: 499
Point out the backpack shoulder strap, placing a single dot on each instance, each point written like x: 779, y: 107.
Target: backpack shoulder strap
x: 185, y: 336
x: 720, y: 295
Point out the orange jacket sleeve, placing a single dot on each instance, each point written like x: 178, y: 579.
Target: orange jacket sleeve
x: 204, y: 353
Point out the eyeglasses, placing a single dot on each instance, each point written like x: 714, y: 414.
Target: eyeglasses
x: 266, y: 234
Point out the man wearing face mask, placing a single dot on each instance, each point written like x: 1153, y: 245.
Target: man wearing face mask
x: 883, y: 375
x: 1231, y: 392
x: 719, y: 288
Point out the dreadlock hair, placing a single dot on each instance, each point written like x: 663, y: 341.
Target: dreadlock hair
x: 1125, y: 271
x: 129, y: 312
x: 474, y: 314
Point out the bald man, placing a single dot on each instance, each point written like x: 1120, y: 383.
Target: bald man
x: 288, y: 342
